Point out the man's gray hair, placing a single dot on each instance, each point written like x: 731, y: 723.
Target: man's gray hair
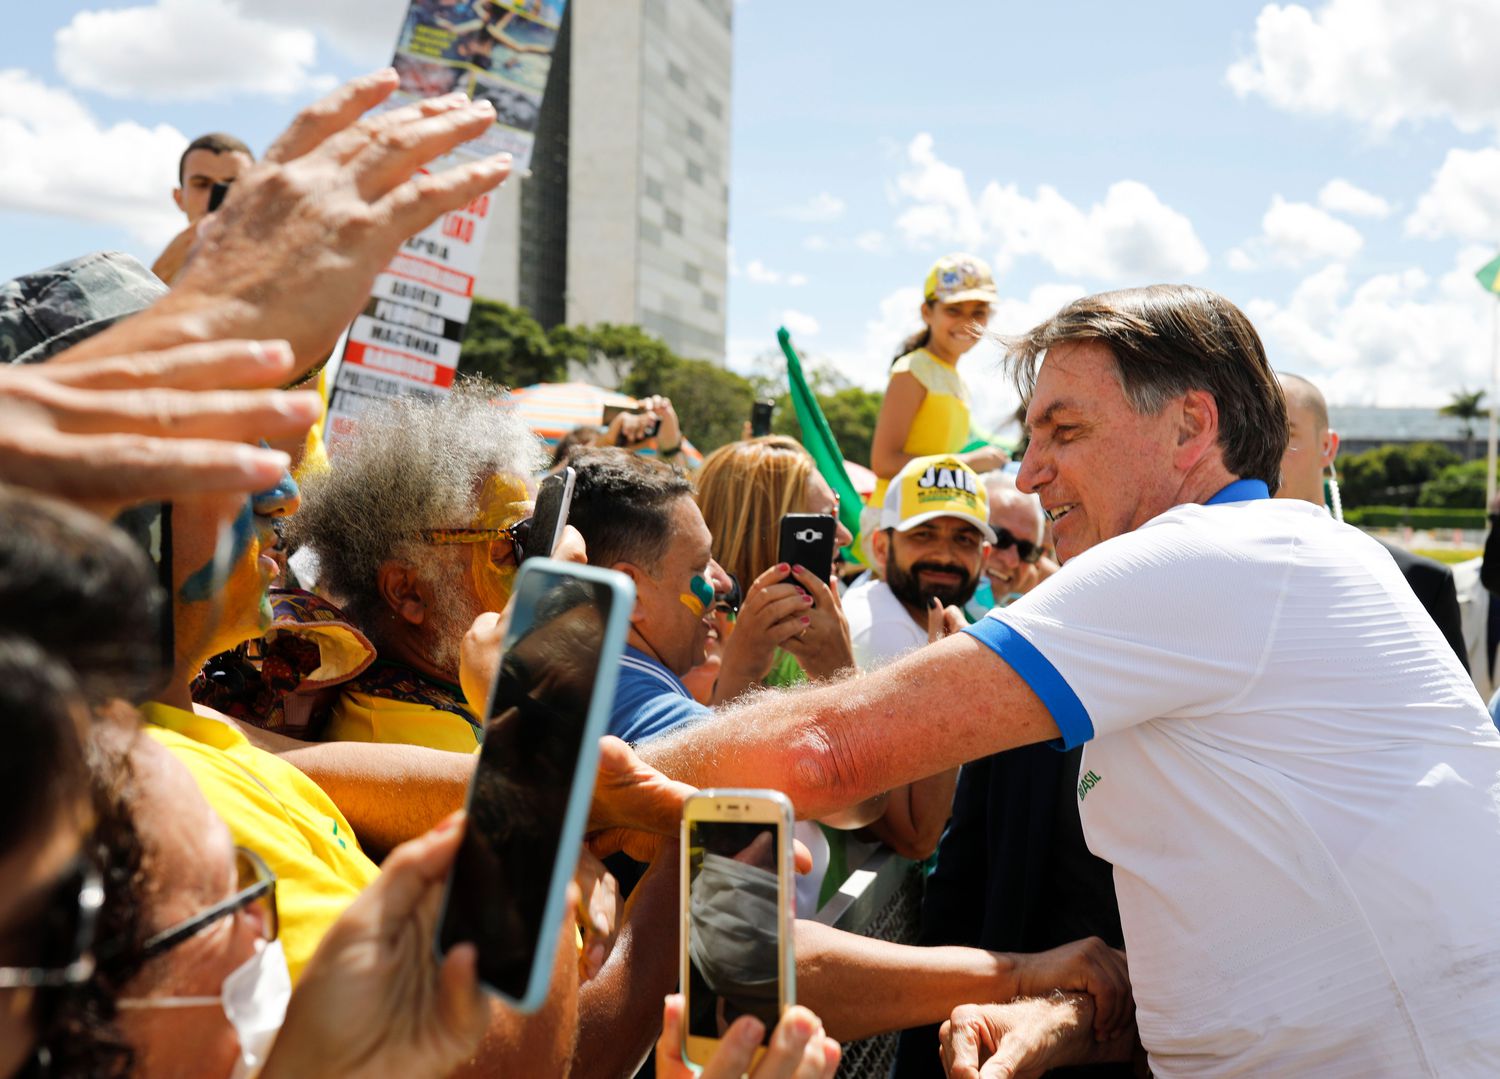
x: 997, y: 481
x: 414, y: 463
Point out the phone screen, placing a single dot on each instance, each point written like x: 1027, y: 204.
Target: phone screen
x: 549, y: 515
x: 511, y: 861
x: 734, y: 925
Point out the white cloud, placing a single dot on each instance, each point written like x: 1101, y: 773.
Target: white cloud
x: 1130, y: 236
x: 186, y: 50
x: 1393, y: 339
x: 800, y: 324
x: 1297, y: 233
x: 1464, y: 199
x: 761, y: 274
x: 56, y: 158
x: 1380, y: 62
x: 821, y: 207
x: 871, y: 242
x: 1342, y: 197
x: 816, y: 243
x: 363, y: 30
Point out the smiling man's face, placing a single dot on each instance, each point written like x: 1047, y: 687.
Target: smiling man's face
x: 939, y: 558
x: 1101, y: 468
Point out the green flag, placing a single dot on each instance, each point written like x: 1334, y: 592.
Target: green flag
x: 818, y: 438
x: 1489, y: 275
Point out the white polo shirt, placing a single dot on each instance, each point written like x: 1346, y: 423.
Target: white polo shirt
x: 880, y: 629
x: 1297, y: 785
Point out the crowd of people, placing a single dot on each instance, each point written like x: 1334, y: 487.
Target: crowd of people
x: 1196, y: 783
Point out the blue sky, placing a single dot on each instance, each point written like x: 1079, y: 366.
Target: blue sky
x: 1333, y: 167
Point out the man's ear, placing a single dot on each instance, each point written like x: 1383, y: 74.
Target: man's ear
x: 177, y: 198
x: 880, y: 549
x: 1330, y: 447
x: 401, y: 591
x: 1197, y: 427
x: 638, y: 577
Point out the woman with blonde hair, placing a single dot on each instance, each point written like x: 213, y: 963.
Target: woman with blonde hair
x: 744, y: 489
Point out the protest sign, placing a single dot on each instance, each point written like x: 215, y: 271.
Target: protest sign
x: 407, y: 338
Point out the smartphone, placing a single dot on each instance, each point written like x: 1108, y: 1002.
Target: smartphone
x: 529, y: 798
x: 216, y: 195
x: 611, y: 411
x: 807, y: 541
x: 738, y: 903
x: 760, y: 418
x: 549, y: 515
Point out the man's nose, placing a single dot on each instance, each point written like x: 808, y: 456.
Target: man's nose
x: 1035, y: 471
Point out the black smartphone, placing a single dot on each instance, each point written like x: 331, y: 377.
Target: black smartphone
x: 529, y: 799
x: 549, y: 515
x: 216, y: 196
x: 807, y: 541
x: 760, y: 418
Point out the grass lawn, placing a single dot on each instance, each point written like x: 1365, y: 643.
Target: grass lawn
x: 1449, y: 555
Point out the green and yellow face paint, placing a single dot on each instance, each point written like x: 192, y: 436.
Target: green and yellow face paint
x: 701, y: 598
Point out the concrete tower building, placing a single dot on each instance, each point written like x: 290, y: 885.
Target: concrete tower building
x: 625, y: 217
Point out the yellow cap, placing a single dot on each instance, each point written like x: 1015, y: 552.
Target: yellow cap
x: 957, y: 278
x: 936, y: 486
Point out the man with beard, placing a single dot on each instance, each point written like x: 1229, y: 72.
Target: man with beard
x: 934, y: 528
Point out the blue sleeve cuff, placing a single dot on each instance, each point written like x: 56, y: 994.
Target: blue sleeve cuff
x: 1068, y: 712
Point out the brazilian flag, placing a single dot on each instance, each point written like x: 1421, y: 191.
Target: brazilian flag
x: 1489, y: 275
x: 818, y: 439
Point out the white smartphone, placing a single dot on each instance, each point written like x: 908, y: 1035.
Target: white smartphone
x: 738, y: 903
x: 529, y: 799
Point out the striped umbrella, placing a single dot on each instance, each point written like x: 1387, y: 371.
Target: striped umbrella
x: 552, y: 409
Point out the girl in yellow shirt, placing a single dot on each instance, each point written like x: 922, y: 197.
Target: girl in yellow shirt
x: 926, y: 406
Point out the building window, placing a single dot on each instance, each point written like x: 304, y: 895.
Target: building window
x: 676, y: 74
x: 695, y: 131
x: 694, y: 173
x: 654, y: 190
x: 673, y: 222
x: 691, y: 274
x: 710, y: 303
x: 651, y: 234
x: 715, y: 106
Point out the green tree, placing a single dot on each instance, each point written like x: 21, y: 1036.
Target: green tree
x: 1393, y: 474
x: 611, y: 352
x: 1467, y: 408
x: 506, y: 345
x: 1458, y: 486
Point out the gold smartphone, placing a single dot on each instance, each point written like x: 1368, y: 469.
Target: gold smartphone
x: 737, y: 911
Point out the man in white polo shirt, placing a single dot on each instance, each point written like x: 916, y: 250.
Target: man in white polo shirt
x: 1292, y: 775
x: 930, y: 547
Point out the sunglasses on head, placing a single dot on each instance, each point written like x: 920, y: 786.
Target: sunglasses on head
x: 1026, y: 551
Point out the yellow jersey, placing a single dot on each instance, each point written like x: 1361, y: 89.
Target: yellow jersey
x: 392, y: 703
x: 941, y: 424
x: 275, y: 810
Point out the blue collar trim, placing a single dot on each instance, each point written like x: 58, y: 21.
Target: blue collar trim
x: 1241, y: 491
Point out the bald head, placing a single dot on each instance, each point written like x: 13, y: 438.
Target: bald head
x: 1311, y: 445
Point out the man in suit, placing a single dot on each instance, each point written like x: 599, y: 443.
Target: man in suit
x: 1309, y: 457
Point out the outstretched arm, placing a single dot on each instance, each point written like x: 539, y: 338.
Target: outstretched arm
x: 832, y: 745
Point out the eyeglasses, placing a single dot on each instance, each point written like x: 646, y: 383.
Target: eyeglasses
x: 1026, y: 551
x: 63, y: 937
x: 517, y: 534
x: 255, y: 882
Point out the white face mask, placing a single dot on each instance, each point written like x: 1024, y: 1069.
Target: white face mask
x: 254, y: 998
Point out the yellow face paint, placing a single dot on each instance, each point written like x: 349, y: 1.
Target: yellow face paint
x: 502, y: 502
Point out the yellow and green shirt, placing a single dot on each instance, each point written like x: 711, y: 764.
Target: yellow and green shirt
x: 275, y: 810
x: 941, y: 424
